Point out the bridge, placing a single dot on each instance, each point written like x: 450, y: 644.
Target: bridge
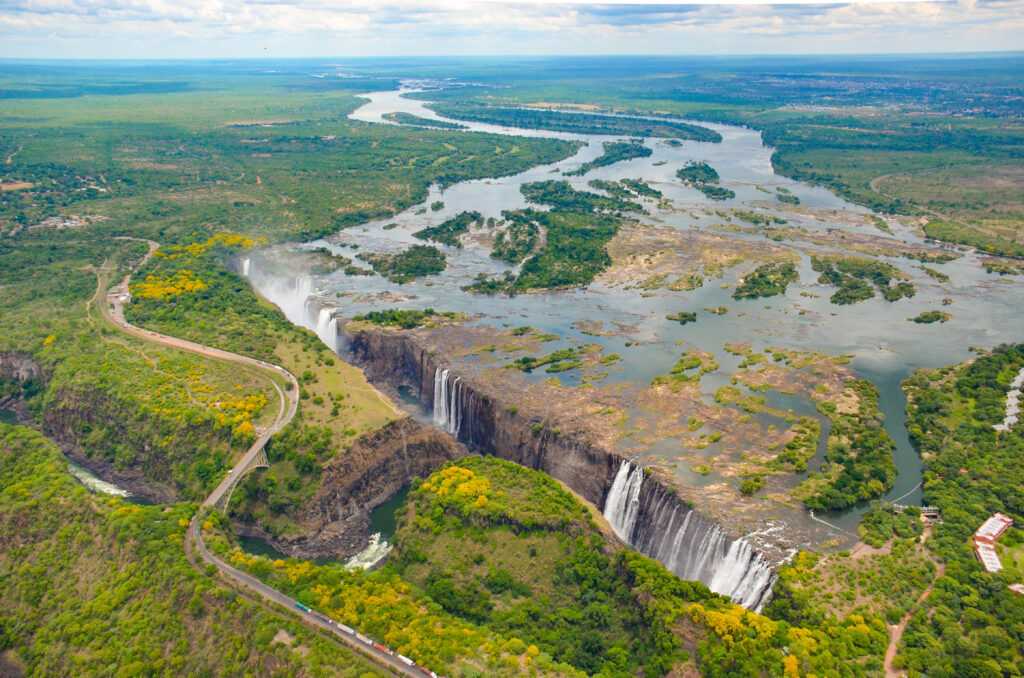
x: 926, y: 511
x: 258, y: 460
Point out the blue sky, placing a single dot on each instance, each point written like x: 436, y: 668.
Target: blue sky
x: 323, y: 28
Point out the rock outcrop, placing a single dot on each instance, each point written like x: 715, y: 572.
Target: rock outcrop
x: 18, y: 366
x: 353, y: 484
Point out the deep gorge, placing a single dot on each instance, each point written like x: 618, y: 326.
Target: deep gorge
x: 645, y: 513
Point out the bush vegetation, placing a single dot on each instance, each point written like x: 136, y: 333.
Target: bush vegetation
x: 926, y: 317
x: 101, y: 587
x: 855, y: 276
x: 416, y: 262
x: 576, y: 232
x: 970, y: 622
x: 404, y: 118
x: 767, y: 280
x: 614, y: 151
x: 575, y: 123
x: 520, y: 237
x: 407, y: 319
x: 704, y: 178
x: 859, y: 451
x: 448, y: 232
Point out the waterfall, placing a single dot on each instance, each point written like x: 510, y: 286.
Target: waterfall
x: 743, y: 576
x: 688, y: 544
x: 245, y: 267
x: 290, y: 294
x: 323, y: 321
x: 327, y: 327
x: 448, y: 401
x: 623, y: 503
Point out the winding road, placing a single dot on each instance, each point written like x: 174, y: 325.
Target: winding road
x: 113, y: 311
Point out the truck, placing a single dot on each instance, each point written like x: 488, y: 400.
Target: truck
x: 346, y: 629
x: 302, y: 607
x: 363, y: 639
x: 405, y: 660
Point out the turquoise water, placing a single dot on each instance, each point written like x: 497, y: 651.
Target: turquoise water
x: 382, y: 520
x: 382, y: 523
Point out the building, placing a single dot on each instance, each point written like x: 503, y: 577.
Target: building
x: 988, y: 557
x: 985, y: 538
x: 993, y: 528
x: 1017, y: 588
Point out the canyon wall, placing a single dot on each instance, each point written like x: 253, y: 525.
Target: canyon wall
x: 644, y: 512
x: 471, y: 416
x: 336, y: 521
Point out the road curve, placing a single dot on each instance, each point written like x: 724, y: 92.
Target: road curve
x: 113, y: 310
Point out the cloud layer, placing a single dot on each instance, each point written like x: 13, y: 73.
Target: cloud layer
x: 238, y: 28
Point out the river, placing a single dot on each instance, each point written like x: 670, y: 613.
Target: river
x: 884, y: 346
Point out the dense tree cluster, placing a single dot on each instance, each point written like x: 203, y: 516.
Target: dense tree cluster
x: 767, y: 280
x: 859, y: 451
x: 448, y: 231
x: 614, y: 151
x: 857, y: 279
x: 575, y: 123
x: 972, y: 625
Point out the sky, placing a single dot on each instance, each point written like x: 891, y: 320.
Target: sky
x: 140, y: 29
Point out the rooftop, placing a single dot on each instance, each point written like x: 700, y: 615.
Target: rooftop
x: 989, y: 558
x: 992, y: 528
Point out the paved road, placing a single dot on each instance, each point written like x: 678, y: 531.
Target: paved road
x: 113, y: 309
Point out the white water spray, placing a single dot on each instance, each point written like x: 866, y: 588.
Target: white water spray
x: 447, y: 401
x: 94, y: 483
x: 623, y: 503
x: 374, y: 552
x: 327, y: 327
x: 693, y: 547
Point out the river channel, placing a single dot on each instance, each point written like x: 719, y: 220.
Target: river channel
x: 884, y: 347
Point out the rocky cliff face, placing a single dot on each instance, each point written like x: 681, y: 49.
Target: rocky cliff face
x: 353, y: 484
x: 486, y: 425
x: 18, y: 366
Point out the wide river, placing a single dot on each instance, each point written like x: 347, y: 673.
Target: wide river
x: 886, y: 348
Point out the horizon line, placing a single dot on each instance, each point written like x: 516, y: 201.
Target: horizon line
x: 742, y: 55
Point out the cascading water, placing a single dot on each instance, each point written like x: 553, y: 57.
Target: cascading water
x: 688, y: 544
x: 623, y: 503
x: 327, y: 327
x: 245, y: 267
x: 447, y: 401
x: 290, y: 294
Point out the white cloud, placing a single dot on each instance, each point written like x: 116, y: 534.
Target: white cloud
x: 156, y: 28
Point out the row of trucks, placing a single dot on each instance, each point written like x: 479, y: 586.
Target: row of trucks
x: 349, y: 631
